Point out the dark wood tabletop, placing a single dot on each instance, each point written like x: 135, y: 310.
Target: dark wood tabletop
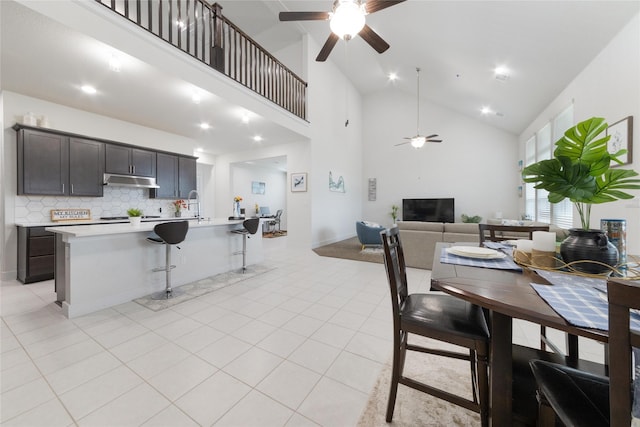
x: 507, y: 295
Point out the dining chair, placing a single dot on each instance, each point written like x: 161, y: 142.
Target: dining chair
x: 499, y: 233
x: 579, y: 398
x: 440, y: 317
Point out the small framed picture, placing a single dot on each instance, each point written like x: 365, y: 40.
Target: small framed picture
x: 298, y: 182
x: 621, y: 139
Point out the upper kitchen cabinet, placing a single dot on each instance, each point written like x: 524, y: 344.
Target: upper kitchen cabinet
x: 86, y: 167
x: 124, y: 160
x: 187, y: 176
x: 43, y: 163
x: 166, y: 178
x: 176, y: 176
x: 54, y: 164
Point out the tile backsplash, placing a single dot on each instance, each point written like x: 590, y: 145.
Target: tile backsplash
x: 115, y: 202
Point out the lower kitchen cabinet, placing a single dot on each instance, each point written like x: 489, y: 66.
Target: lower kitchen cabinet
x: 36, y: 254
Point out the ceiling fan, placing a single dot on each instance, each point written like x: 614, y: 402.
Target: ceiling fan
x: 346, y: 20
x: 418, y: 140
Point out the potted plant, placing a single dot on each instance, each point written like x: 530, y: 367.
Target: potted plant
x: 135, y: 216
x: 394, y: 212
x: 178, y: 205
x: 580, y: 171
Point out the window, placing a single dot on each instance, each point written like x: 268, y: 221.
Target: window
x: 540, y: 147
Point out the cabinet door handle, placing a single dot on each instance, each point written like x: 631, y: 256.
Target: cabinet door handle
x: 62, y: 188
x: 134, y: 169
x: 71, y: 188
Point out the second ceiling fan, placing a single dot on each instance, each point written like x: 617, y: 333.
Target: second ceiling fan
x: 347, y: 19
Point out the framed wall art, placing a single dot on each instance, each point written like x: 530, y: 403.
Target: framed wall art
x: 621, y: 138
x: 257, y: 187
x: 298, y: 182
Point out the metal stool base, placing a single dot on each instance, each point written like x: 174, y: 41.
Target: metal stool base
x: 166, y: 295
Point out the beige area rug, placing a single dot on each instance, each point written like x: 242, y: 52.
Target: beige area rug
x: 414, y: 408
x: 202, y: 287
x: 351, y: 249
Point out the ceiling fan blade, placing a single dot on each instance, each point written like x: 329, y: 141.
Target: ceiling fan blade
x: 376, y: 5
x: 434, y: 140
x: 402, y: 143
x: 431, y: 136
x: 328, y: 46
x: 304, y: 16
x: 374, y: 40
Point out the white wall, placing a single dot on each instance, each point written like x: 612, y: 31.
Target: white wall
x: 476, y: 164
x: 608, y: 87
x: 335, y: 148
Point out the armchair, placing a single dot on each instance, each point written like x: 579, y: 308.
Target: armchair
x: 369, y: 233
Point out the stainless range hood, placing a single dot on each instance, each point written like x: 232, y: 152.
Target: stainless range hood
x: 130, y: 181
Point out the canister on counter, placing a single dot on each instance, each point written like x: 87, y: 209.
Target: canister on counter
x: 616, y: 230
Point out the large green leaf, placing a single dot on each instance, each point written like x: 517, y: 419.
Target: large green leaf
x: 579, y: 142
x: 610, y: 184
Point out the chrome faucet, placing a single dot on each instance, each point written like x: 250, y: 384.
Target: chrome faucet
x: 197, y: 203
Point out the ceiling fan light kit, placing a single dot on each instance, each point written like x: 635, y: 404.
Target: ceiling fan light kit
x: 418, y: 140
x: 346, y: 20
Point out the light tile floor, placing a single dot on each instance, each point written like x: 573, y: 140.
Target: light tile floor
x: 301, y: 345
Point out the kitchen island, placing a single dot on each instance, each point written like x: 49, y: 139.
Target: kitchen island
x: 102, y: 265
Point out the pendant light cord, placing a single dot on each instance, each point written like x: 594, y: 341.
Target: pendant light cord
x: 418, y: 101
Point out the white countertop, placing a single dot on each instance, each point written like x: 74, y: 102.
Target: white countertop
x: 100, y: 229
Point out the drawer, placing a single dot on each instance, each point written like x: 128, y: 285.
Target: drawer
x: 38, y: 232
x: 39, y: 246
x: 41, y: 265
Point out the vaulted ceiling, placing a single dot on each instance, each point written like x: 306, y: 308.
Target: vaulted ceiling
x: 457, y: 44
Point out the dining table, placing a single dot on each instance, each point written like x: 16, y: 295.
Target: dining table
x: 507, y: 294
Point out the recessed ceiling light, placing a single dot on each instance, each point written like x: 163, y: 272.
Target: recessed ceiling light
x: 89, y: 89
x: 204, y: 125
x: 257, y: 138
x: 501, y: 73
x: 114, y: 63
x: 393, y: 77
x: 199, y: 149
x: 486, y: 110
x: 196, y: 98
x: 245, y: 118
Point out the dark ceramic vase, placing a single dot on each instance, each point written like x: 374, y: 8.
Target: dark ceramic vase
x: 589, y: 245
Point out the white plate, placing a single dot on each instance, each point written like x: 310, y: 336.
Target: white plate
x: 475, y: 252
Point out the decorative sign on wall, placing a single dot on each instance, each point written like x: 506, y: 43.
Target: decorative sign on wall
x: 621, y: 133
x: 70, y: 214
x: 372, y: 189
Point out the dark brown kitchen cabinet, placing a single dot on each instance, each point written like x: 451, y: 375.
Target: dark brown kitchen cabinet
x: 36, y: 257
x: 125, y: 160
x: 54, y: 164
x: 43, y: 163
x: 187, y: 176
x: 176, y: 176
x: 166, y: 177
x: 86, y: 167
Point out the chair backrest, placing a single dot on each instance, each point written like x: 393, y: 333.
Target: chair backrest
x: 396, y: 270
x: 278, y: 214
x: 172, y: 232
x: 623, y: 296
x: 497, y: 232
x: 251, y: 225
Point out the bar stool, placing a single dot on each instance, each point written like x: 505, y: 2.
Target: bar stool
x: 168, y: 233
x: 249, y: 226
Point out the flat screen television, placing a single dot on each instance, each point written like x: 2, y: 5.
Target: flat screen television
x: 433, y: 210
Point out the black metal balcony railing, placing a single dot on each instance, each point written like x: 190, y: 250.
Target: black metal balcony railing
x: 199, y: 29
